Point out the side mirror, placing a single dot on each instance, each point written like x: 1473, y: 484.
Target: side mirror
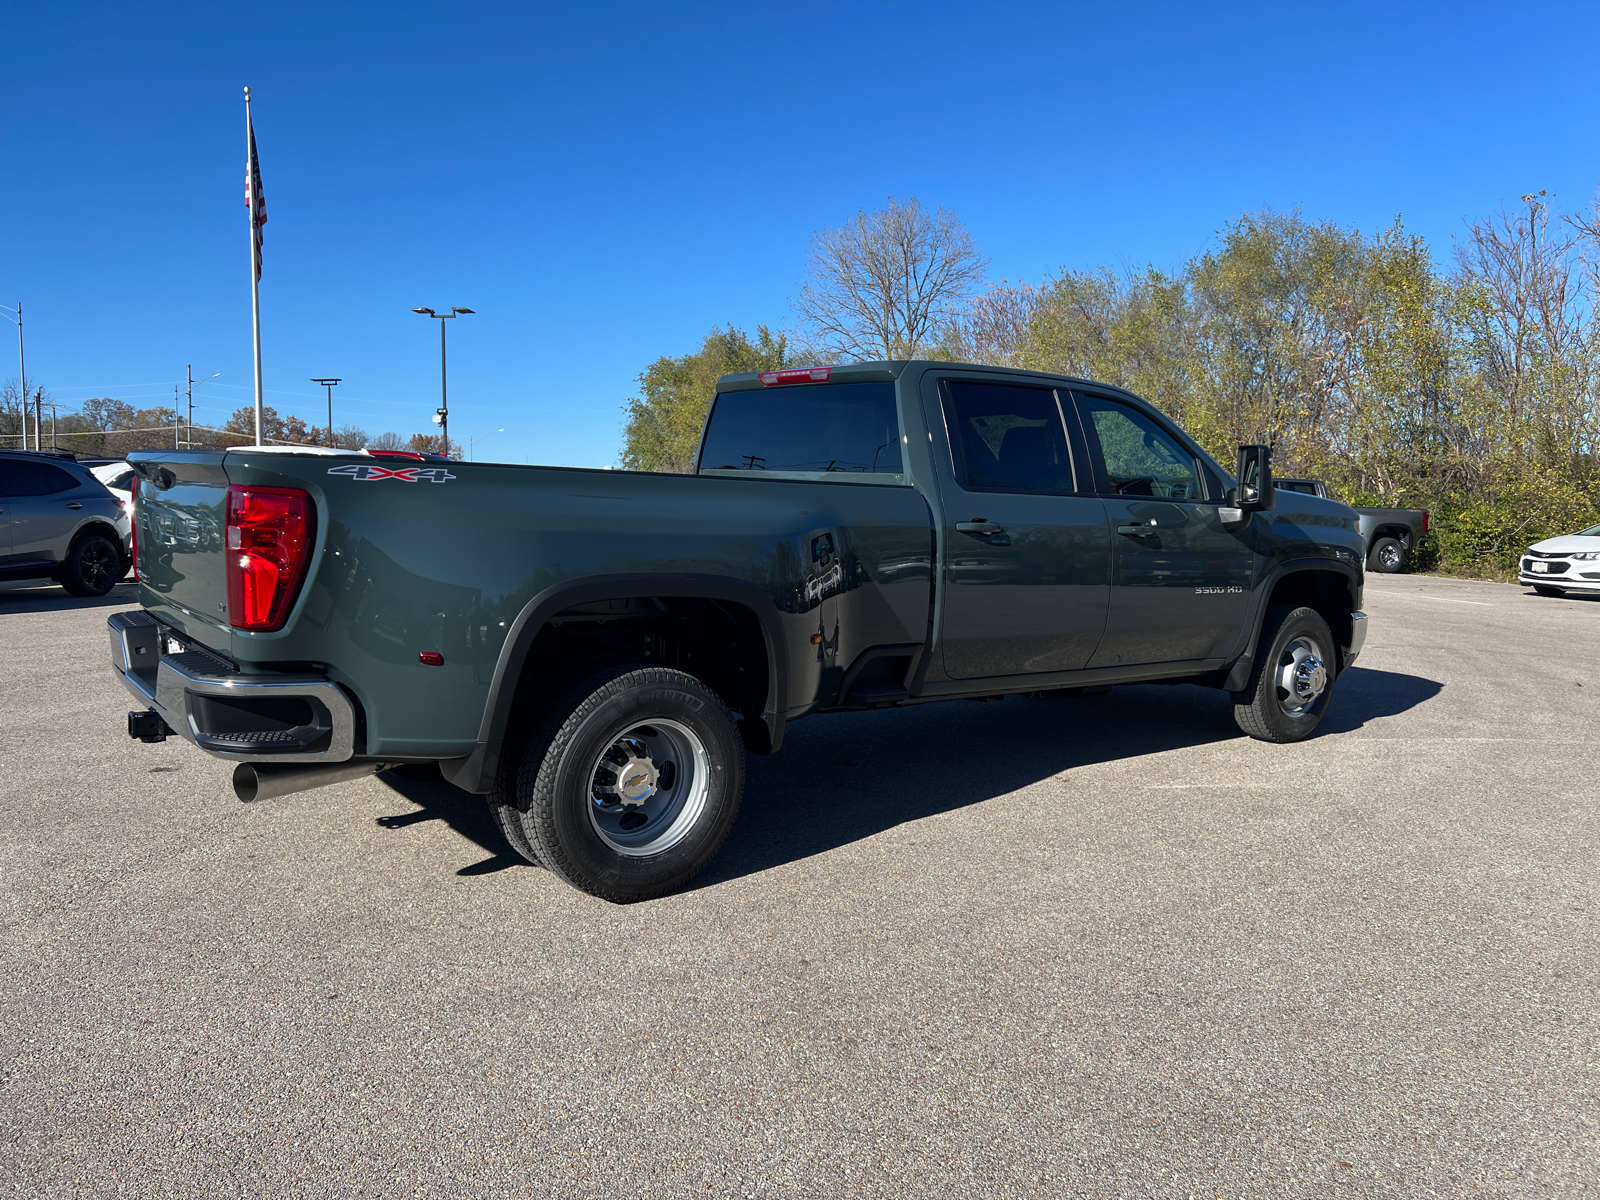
x: 1255, y: 491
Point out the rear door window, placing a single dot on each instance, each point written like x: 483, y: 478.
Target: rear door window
x: 850, y: 428
x: 1006, y: 439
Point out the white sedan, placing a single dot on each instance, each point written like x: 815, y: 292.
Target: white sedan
x: 1565, y: 564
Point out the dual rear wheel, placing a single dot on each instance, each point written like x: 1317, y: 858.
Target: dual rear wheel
x: 629, y: 784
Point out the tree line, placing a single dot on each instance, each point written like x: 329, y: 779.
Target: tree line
x: 1468, y: 386
x: 115, y: 428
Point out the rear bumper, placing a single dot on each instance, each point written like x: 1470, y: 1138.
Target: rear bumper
x: 239, y: 717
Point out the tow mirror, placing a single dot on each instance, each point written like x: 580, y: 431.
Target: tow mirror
x: 1255, y: 491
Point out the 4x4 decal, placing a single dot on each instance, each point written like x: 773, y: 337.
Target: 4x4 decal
x: 367, y: 473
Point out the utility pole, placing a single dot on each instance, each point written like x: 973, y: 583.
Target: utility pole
x: 177, y: 425
x: 330, y: 384
x: 15, y: 314
x: 38, y: 418
x: 52, y: 408
x: 189, y: 371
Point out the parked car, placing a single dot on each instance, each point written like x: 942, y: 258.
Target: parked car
x: 1389, y: 534
x: 1558, y: 565
x: 117, y: 475
x: 58, y: 521
x: 596, y: 650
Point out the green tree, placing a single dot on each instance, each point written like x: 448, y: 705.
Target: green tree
x: 662, y: 429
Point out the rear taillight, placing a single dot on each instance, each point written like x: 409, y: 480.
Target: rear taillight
x: 270, y: 534
x: 1424, y: 521
x: 802, y: 375
x: 133, y: 523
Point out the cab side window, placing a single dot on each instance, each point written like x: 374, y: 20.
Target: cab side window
x: 1140, y: 457
x: 1007, y: 439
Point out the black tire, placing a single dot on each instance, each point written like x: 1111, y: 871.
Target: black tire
x: 562, y: 770
x: 1546, y: 590
x: 1265, y: 710
x: 93, y: 566
x: 1388, y: 557
x: 502, y: 800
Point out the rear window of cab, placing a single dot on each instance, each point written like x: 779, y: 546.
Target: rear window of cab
x: 822, y: 429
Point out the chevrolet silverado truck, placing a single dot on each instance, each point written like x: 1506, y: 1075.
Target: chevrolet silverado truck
x: 596, y: 651
x: 1389, y: 534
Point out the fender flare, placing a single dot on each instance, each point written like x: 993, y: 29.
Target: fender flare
x: 476, y: 772
x: 1239, y: 671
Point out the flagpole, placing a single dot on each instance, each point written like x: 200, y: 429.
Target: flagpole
x: 255, y: 262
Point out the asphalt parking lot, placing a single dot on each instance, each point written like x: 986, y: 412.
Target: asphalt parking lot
x: 1097, y: 947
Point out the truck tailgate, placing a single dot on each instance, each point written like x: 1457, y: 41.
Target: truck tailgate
x: 180, y: 520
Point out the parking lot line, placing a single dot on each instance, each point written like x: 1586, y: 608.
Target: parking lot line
x: 1441, y: 599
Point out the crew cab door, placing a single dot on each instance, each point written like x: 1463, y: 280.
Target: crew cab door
x: 1026, y: 574
x: 1180, y: 581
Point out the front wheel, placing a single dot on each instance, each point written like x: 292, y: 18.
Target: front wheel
x: 632, y: 784
x: 1387, y: 556
x: 1293, y: 678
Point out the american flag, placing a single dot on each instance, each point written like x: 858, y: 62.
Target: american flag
x: 254, y: 200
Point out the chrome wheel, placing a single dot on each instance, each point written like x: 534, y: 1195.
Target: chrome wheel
x: 648, y: 789
x: 1302, y: 676
x: 1389, y: 557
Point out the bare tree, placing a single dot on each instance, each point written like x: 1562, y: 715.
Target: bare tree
x: 1528, y: 318
x: 996, y: 327
x: 888, y: 284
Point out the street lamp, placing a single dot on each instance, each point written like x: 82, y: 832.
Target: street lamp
x: 15, y: 314
x: 330, y: 384
x: 442, y: 417
x: 472, y: 442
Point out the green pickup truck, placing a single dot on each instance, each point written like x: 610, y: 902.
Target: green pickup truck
x: 596, y: 651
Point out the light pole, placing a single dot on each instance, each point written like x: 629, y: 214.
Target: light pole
x: 442, y: 417
x: 15, y: 314
x: 472, y: 442
x: 330, y: 384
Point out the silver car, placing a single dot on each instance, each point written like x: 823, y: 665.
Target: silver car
x: 58, y: 521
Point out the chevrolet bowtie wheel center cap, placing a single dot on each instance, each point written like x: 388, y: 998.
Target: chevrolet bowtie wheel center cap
x: 636, y: 780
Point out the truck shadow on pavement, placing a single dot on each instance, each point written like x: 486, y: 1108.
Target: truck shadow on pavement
x: 845, y: 777
x: 866, y: 773
x: 42, y: 596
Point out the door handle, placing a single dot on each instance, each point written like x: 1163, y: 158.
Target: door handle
x: 74, y: 504
x: 981, y: 527
x: 1135, y: 530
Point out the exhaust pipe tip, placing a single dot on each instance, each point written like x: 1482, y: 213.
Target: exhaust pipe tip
x: 246, y: 783
x: 267, y: 781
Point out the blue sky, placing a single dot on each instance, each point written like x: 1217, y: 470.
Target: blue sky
x: 603, y: 183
